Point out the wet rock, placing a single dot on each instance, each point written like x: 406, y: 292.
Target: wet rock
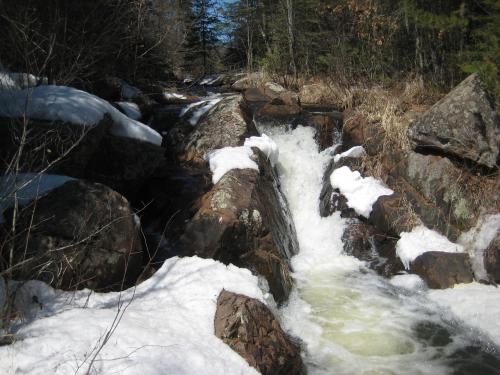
x: 463, y: 124
x: 278, y: 110
x: 165, y: 117
x: 362, y: 241
x: 328, y: 127
x: 358, y: 131
x: 492, y: 259
x: 226, y: 124
x: 244, y: 220
x: 80, y: 235
x: 251, y: 330
x: 442, y: 270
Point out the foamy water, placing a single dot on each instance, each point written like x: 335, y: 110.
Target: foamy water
x: 350, y: 320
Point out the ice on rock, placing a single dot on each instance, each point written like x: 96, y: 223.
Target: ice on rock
x: 361, y: 192
x: 421, y: 240
x: 223, y: 160
x: 66, y: 104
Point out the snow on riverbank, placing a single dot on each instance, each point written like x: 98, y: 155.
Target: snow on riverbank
x: 165, y: 325
x: 66, y: 104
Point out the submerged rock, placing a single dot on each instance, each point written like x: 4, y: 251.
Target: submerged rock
x: 442, y: 270
x: 244, y: 220
x: 463, y: 124
x: 80, y: 235
x: 251, y: 330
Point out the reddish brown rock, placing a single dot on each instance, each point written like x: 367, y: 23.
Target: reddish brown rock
x: 251, y: 330
x: 442, y: 270
x: 358, y: 131
x: 388, y: 215
x: 278, y: 111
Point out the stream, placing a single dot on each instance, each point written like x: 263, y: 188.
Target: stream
x: 350, y: 320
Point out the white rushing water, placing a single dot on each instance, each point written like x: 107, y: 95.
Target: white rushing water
x: 350, y: 320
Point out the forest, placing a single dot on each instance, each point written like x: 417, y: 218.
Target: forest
x: 351, y: 41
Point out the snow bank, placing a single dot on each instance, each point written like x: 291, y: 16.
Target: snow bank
x: 167, y: 326
x: 475, y: 304
x: 476, y: 240
x: 266, y: 145
x: 361, y: 193
x: 131, y: 110
x: 61, y: 103
x: 355, y: 152
x: 421, y: 240
x: 27, y: 186
x: 223, y: 160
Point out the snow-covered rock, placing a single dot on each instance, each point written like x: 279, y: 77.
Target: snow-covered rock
x: 131, y: 110
x: 69, y: 105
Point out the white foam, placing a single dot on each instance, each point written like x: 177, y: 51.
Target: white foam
x: 421, y: 240
x: 361, y: 193
x: 408, y: 281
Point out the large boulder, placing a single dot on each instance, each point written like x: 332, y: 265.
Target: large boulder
x: 52, y: 146
x: 80, y: 235
x: 463, y: 124
x: 359, y: 131
x: 251, y: 330
x: 244, y: 220
x: 226, y: 124
x: 390, y: 216
x: 446, y: 197
x: 442, y: 270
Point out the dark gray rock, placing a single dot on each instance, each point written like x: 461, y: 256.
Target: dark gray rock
x: 251, y: 330
x: 492, y: 259
x: 80, y: 235
x: 463, y: 124
x: 442, y: 270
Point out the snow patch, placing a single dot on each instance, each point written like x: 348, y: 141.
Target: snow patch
x: 361, y: 192
x: 200, y: 108
x: 26, y: 187
x: 223, y: 160
x: 166, y: 328
x: 355, y: 152
x: 170, y: 95
x: 266, y: 145
x: 131, y: 110
x: 211, y: 80
x: 17, y: 81
x: 421, y: 240
x: 66, y: 104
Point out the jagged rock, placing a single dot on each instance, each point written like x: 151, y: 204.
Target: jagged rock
x: 244, y: 220
x: 445, y: 197
x: 226, y: 124
x: 251, y: 330
x: 247, y: 82
x: 328, y: 127
x: 492, y: 259
x: 358, y: 131
x: 80, y: 235
x: 463, y: 124
x: 442, y: 270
